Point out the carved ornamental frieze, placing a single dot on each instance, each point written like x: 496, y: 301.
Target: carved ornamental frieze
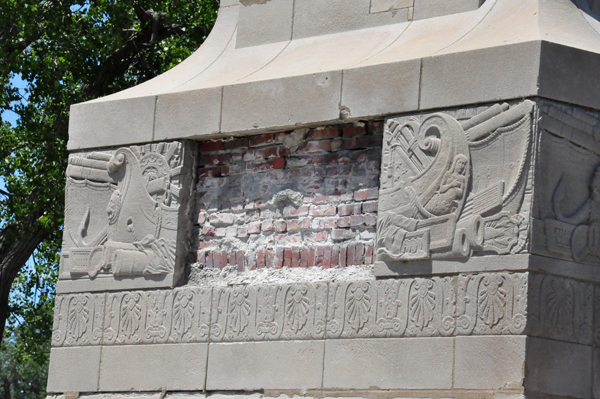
x: 124, y: 215
x: 454, y: 184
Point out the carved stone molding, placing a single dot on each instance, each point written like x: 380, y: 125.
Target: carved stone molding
x: 468, y: 304
x: 561, y: 309
x: 454, y: 184
x: 126, y: 216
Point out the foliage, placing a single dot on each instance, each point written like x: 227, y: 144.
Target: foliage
x: 66, y: 51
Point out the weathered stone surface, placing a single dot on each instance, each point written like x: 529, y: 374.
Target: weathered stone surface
x: 558, y: 368
x: 74, y: 369
x: 126, y: 215
x: 451, y: 188
x: 489, y: 362
x: 153, y: 367
x: 265, y: 365
x: 416, y: 363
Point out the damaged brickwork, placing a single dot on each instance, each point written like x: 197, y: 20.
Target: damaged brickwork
x: 297, y: 199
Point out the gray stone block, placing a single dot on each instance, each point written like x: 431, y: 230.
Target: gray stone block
x: 111, y: 123
x: 153, y: 367
x: 188, y: 114
x: 558, y: 368
x: 265, y: 365
x: 390, y: 88
x: 489, y: 362
x: 477, y: 77
x: 432, y: 8
x: 391, y: 363
x: 263, y: 22
x: 278, y: 102
x: 74, y: 369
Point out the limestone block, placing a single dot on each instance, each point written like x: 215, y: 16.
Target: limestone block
x: 126, y: 216
x: 389, y: 5
x: 153, y: 367
x: 558, y: 368
x: 476, y: 76
x: 269, y: 312
x: 489, y: 362
x: 177, y: 114
x: 455, y: 185
x: 74, y: 369
x: 265, y: 365
x: 78, y: 320
x: 390, y: 88
x: 278, y: 102
x: 434, y: 8
x: 111, y: 123
x: 391, y: 363
x: 263, y: 22
x: 147, y: 317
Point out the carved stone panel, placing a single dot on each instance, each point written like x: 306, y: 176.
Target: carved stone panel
x: 454, y: 184
x: 566, y: 215
x: 126, y: 220
x: 78, y: 320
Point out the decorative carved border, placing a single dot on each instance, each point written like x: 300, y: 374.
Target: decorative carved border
x: 475, y: 304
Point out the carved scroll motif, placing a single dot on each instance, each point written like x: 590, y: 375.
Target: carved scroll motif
x: 450, y: 188
x: 122, y: 212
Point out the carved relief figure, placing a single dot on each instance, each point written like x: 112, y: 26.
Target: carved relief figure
x: 122, y: 208
x: 451, y: 187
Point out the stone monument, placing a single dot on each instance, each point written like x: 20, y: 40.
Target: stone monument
x: 357, y: 198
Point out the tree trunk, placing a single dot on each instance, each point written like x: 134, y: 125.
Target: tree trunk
x: 15, y: 248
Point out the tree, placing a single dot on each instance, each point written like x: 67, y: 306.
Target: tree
x: 67, y: 51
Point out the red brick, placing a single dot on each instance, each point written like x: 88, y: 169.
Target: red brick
x: 201, y: 258
x: 269, y: 260
x: 254, y: 228
x: 350, y: 255
x: 370, y: 220
x: 290, y: 211
x: 266, y: 139
x: 203, y: 244
x: 322, y: 210
x: 233, y: 169
x: 292, y: 225
x: 317, y: 146
x: 342, y: 234
x: 350, y: 131
x: 221, y: 232
x: 209, y: 259
x: 357, y: 220
x: 260, y: 259
x: 369, y: 207
x: 304, y: 254
x: 242, y: 232
x: 327, y: 257
x: 265, y: 153
x: 366, y: 194
x: 320, y: 134
x: 210, y: 146
x: 375, y: 141
x: 278, y: 260
x: 231, y: 259
x: 375, y: 127
x: 335, y: 256
x: 287, y: 257
x: 280, y: 226
x: 369, y: 255
x: 318, y: 236
x: 359, y: 251
x: 266, y: 225
x: 209, y: 172
x: 295, y: 257
x: 304, y: 223
x: 208, y: 231
x: 320, y: 257
x: 235, y: 143
x: 214, y: 159
x: 311, y: 256
x: 239, y: 260
x: 201, y: 217
x: 343, y: 256
x: 263, y: 166
x: 343, y: 222
x: 348, y: 209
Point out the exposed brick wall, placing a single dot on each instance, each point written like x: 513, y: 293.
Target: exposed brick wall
x: 246, y: 219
